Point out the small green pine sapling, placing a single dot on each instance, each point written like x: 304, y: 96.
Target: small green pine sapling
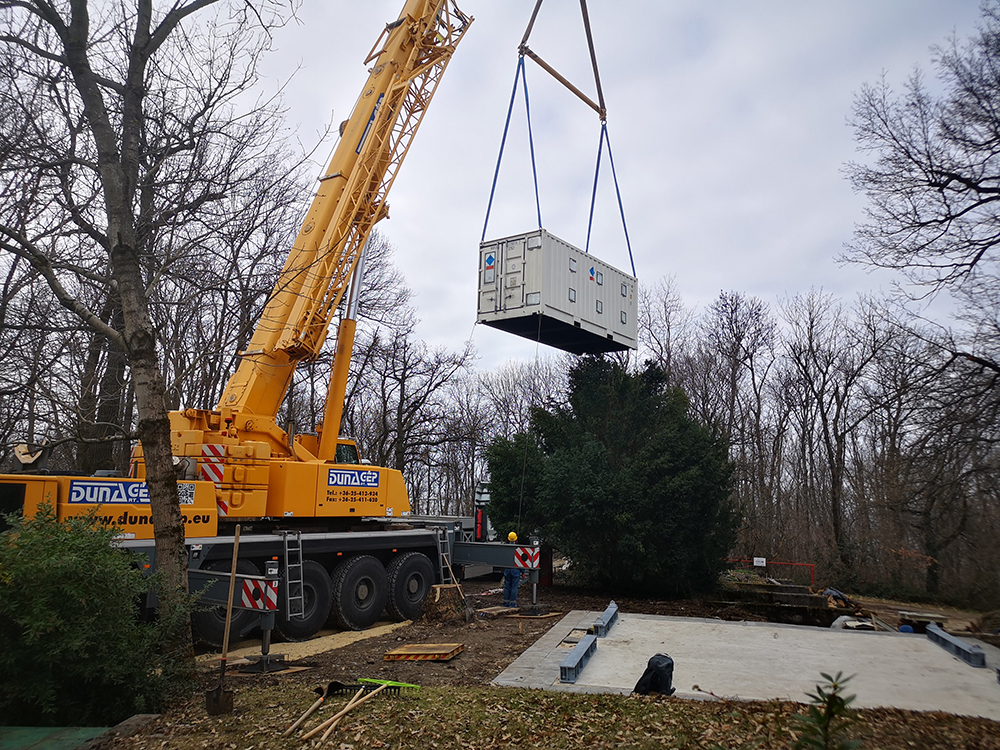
x: 823, y: 728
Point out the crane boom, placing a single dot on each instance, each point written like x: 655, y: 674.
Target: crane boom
x: 408, y: 60
x: 259, y: 470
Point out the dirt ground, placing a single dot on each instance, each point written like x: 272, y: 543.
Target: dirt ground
x: 456, y: 695
x: 491, y: 644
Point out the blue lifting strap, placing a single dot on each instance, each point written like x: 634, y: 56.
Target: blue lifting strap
x: 522, y: 76
x: 593, y: 196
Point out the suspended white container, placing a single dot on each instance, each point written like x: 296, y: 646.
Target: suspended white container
x: 537, y: 286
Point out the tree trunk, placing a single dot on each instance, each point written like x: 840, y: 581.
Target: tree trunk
x: 102, y: 404
x: 932, y: 576
x: 154, y: 433
x: 118, y: 166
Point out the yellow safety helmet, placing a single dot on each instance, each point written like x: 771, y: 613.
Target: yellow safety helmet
x: 512, y: 537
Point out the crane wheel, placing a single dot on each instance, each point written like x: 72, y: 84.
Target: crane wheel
x: 317, y: 592
x: 360, y: 591
x: 411, y: 576
x: 209, y: 626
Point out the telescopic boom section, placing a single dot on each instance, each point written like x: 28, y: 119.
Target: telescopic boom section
x: 408, y: 60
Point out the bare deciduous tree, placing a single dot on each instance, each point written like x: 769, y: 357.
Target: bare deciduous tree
x: 119, y: 137
x: 933, y: 187
x: 665, y: 326
x: 399, y: 409
x: 830, y: 358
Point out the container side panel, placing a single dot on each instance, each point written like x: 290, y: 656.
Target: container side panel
x: 546, y: 289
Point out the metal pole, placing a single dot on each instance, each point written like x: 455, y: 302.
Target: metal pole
x: 534, y: 576
x: 265, y: 662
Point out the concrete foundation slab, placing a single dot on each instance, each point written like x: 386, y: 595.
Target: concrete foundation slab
x: 764, y: 661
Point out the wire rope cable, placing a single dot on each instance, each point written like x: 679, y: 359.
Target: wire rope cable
x: 527, y: 433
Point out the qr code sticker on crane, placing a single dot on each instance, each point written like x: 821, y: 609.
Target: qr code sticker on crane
x: 185, y: 494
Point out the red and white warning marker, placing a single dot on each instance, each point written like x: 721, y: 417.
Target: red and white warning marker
x: 212, y: 468
x: 260, y: 594
x: 527, y: 557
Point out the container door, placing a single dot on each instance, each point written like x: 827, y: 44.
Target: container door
x: 513, y: 274
x: 489, y: 276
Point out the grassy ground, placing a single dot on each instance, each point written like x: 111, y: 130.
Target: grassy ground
x: 478, y: 718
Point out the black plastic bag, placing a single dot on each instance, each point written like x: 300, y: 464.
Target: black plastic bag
x: 658, y: 676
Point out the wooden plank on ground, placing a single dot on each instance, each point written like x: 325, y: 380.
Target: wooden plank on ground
x: 425, y: 652
x: 491, y: 612
x: 922, y: 617
x: 286, y: 670
x: 537, y: 617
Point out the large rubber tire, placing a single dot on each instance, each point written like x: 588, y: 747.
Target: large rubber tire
x: 318, y: 593
x: 209, y: 626
x: 411, y: 576
x: 360, y: 591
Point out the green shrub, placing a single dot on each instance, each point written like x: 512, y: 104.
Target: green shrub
x: 824, y: 727
x: 74, y: 652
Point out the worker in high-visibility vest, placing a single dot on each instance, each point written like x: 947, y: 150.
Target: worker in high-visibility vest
x: 511, y: 579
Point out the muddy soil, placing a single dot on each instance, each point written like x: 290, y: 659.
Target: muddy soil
x: 489, y: 644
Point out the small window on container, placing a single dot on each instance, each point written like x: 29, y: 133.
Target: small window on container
x: 600, y: 307
x: 624, y: 318
x: 535, y: 298
x: 624, y: 291
x: 572, y: 294
x: 489, y: 276
x: 572, y: 265
x: 600, y: 279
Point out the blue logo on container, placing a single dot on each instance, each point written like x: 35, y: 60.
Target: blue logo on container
x: 490, y: 260
x: 591, y: 273
x: 352, y: 478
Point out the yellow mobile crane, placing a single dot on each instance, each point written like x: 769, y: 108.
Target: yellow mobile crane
x: 307, y: 499
x: 257, y: 469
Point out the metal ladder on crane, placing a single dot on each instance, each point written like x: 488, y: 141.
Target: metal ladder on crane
x: 444, y: 556
x: 295, y: 602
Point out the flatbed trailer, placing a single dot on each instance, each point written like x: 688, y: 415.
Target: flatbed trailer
x: 350, y: 576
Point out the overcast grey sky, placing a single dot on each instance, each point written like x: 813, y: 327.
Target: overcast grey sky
x: 727, y: 120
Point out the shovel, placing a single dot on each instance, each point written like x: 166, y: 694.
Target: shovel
x: 217, y: 700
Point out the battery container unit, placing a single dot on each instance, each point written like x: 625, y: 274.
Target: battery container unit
x: 544, y: 289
